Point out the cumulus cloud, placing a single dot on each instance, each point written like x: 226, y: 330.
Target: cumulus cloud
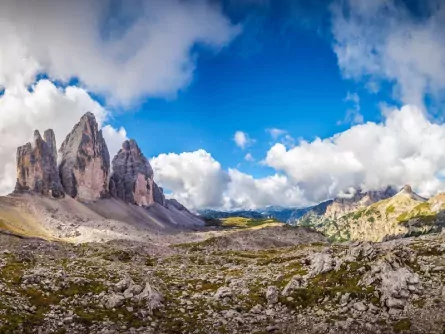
x: 244, y: 191
x: 194, y: 178
x: 282, y: 136
x: 275, y: 133
x: 249, y: 157
x: 384, y: 40
x: 44, y: 106
x: 405, y: 148
x: 198, y: 180
x: 242, y: 139
x: 125, y: 49
x: 353, y: 115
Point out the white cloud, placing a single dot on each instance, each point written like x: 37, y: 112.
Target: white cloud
x: 125, y: 49
x: 198, y: 181
x: 353, y: 115
x: 282, y: 135
x: 194, y: 178
x: 46, y: 106
x: 276, y: 133
x: 114, y: 138
x: 242, y: 139
x: 248, y: 157
x: 244, y: 191
x: 382, y: 40
x: 405, y: 148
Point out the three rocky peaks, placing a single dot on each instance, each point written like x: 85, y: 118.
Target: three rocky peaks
x: 83, y: 171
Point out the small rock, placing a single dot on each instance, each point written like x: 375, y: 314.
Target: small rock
x: 114, y: 300
x: 223, y: 292
x: 272, y: 295
x: 360, y: 306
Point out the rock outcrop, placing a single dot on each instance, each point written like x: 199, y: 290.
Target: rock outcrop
x: 50, y: 139
x: 37, y: 166
x: 85, y: 161
x: 132, y: 178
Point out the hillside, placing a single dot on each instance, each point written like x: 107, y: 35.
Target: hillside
x: 404, y: 214
x: 228, y: 284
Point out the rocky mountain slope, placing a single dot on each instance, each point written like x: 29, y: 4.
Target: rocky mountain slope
x: 98, y: 207
x: 214, y: 286
x: 282, y: 214
x: 404, y: 214
x: 90, y: 249
x: 37, y: 166
x: 330, y: 208
x: 85, y: 161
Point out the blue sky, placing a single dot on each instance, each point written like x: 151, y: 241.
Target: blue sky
x: 355, y: 87
x: 278, y: 73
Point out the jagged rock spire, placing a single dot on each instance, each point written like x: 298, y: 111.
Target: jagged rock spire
x: 132, y: 178
x: 37, y: 166
x: 85, y: 161
x: 50, y: 139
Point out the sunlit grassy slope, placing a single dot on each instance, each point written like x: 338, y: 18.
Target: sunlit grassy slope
x: 241, y: 222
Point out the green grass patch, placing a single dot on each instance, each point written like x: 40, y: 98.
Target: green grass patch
x: 402, y: 325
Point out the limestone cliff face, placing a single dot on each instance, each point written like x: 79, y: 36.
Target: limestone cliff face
x: 37, y: 166
x: 132, y: 178
x: 327, y: 216
x: 158, y: 195
x: 50, y: 139
x: 404, y: 214
x: 343, y: 205
x: 85, y: 161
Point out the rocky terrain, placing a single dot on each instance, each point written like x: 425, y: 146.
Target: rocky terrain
x: 132, y: 179
x: 99, y: 205
x: 333, y: 208
x: 404, y: 214
x: 304, y: 286
x: 85, y: 161
x: 93, y: 247
x: 37, y: 166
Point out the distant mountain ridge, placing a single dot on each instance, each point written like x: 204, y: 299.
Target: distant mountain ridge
x: 374, y: 215
x: 291, y: 214
x: 403, y: 214
x: 282, y: 214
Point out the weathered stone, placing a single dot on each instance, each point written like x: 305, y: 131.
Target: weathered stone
x: 158, y: 195
x: 85, y: 161
x: 132, y: 178
x: 37, y: 167
x: 359, y: 306
x: 114, y: 300
x: 320, y: 263
x: 397, y: 283
x: 151, y: 296
x: 174, y: 203
x: 223, y: 292
x: 272, y: 295
x: 50, y: 139
x: 296, y: 282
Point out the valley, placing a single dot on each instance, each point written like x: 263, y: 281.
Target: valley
x: 84, y: 251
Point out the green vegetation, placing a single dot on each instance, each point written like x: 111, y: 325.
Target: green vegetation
x: 402, y: 325
x: 390, y: 209
x: 241, y: 222
x: 329, y: 285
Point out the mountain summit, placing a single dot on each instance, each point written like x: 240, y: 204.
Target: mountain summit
x: 129, y: 203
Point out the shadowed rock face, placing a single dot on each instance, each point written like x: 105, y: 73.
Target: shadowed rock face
x: 132, y: 178
x: 85, y: 161
x: 50, y: 139
x: 37, y: 166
